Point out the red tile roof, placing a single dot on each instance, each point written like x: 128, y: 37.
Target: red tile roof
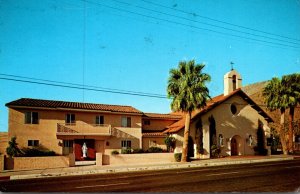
x: 162, y: 116
x: 38, y: 103
x: 154, y: 134
x: 175, y: 127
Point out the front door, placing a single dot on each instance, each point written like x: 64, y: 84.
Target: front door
x: 233, y: 145
x: 90, y: 149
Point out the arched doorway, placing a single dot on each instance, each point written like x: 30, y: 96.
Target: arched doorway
x: 236, y: 145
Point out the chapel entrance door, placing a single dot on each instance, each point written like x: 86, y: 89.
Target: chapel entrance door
x: 234, y: 147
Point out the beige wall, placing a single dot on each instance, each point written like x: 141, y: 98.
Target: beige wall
x: 3, y: 142
x: 1, y: 162
x: 148, y: 158
x: 148, y: 141
x: 241, y: 125
x: 124, y: 133
x: 22, y: 163
x: 157, y: 124
x: 45, y: 131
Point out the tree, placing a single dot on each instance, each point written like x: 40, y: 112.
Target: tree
x: 273, y: 94
x: 291, y: 84
x: 186, y: 87
x: 170, y: 143
x: 13, y: 149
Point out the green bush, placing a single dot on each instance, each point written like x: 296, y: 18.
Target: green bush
x: 13, y: 149
x: 155, y: 150
x: 126, y: 151
x: 170, y: 142
x: 114, y: 152
x: 215, y: 151
x: 137, y: 151
x: 260, y: 151
x: 177, y: 157
x: 37, y: 151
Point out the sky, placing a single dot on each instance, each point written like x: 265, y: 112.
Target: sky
x: 132, y: 45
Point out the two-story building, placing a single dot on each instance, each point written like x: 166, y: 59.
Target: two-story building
x: 64, y: 126
x: 230, y: 121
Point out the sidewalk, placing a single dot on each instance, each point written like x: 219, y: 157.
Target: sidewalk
x: 92, y: 169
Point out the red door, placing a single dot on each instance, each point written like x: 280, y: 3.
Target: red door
x: 91, y: 153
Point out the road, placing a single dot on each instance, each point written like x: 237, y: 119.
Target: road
x: 259, y: 177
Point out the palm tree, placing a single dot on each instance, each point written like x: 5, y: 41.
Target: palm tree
x: 186, y: 85
x: 274, y: 98
x: 291, y: 84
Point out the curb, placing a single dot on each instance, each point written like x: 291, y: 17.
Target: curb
x: 145, y: 168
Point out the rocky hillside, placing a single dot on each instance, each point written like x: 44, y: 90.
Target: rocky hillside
x: 255, y: 92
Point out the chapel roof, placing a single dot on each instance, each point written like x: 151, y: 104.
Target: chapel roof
x: 177, y: 126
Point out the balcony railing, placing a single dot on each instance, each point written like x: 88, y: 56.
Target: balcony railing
x: 83, y: 128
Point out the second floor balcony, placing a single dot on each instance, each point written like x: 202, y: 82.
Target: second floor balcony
x: 75, y: 129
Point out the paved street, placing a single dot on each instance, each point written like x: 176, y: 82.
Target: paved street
x: 265, y: 177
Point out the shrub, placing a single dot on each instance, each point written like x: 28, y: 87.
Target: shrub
x: 260, y: 151
x: 37, y: 151
x: 114, y: 152
x: 138, y: 150
x: 126, y: 151
x: 215, y: 151
x: 177, y: 157
x: 13, y: 149
x: 155, y: 150
x: 170, y: 142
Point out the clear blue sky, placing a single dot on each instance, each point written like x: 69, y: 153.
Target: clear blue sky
x: 132, y: 45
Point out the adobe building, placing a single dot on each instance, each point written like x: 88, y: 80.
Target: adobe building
x: 65, y: 126
x: 230, y: 121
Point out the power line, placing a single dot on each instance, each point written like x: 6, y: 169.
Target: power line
x: 219, y: 21
x: 217, y: 26
x: 90, y: 88
x: 68, y: 83
x: 76, y: 86
x: 187, y: 25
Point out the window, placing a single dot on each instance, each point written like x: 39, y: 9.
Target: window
x: 33, y: 142
x: 67, y: 147
x: 31, y: 118
x: 234, y: 82
x: 233, y: 109
x: 250, y: 140
x: 126, y: 122
x: 146, y: 122
x: 70, y: 118
x: 126, y: 144
x: 99, y: 120
x: 221, y: 139
x: 68, y: 143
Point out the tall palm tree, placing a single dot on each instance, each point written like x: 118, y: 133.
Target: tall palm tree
x: 291, y: 84
x: 186, y: 87
x: 275, y: 100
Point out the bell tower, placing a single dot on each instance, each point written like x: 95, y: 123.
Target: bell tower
x: 232, y: 81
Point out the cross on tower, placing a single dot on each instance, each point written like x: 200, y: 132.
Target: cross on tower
x: 231, y: 63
